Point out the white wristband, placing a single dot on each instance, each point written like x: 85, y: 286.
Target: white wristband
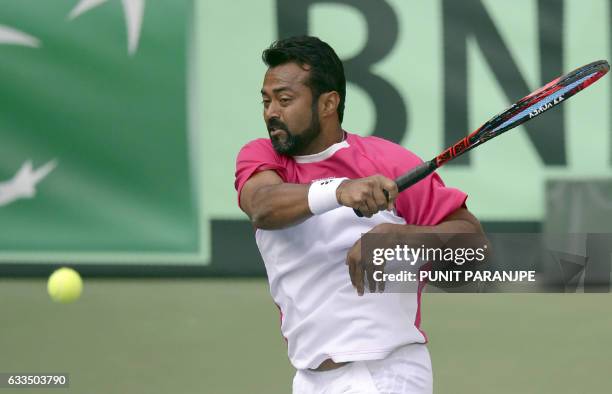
x: 322, y: 195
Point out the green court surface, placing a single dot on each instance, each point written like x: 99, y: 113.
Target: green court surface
x: 222, y: 336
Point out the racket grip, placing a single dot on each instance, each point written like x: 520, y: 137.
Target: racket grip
x: 416, y: 174
x: 410, y: 178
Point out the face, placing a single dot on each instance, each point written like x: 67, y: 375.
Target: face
x: 290, y: 114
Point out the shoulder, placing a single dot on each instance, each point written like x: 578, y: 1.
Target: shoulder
x: 255, y: 156
x: 262, y: 144
x: 260, y: 149
x: 373, y: 143
x: 394, y: 157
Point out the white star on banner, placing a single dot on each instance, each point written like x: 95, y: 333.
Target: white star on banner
x: 23, y: 184
x: 11, y: 36
x: 133, y: 11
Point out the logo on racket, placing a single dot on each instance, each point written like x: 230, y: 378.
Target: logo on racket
x: 545, y: 107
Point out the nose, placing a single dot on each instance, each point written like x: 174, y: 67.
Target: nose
x: 273, y: 111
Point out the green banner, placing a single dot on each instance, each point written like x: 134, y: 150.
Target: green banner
x: 95, y: 159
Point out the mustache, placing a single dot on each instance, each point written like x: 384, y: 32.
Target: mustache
x: 276, y: 124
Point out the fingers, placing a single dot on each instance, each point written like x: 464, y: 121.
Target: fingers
x: 375, y: 277
x: 380, y: 269
x: 369, y: 207
x: 356, y: 273
x: 359, y: 279
x: 388, y: 191
x: 368, y: 195
x: 369, y: 270
x: 380, y: 199
x: 359, y: 272
x: 391, y: 187
x: 351, y: 268
x: 363, y: 208
x: 356, y: 270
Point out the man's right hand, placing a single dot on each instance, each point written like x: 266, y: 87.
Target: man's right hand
x: 366, y: 194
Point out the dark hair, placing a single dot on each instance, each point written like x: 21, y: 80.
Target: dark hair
x: 326, y: 70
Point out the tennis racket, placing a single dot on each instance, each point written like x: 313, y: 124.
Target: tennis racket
x: 550, y: 95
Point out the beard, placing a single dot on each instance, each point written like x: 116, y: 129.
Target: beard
x: 294, y: 143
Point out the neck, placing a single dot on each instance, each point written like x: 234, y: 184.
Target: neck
x: 329, y: 135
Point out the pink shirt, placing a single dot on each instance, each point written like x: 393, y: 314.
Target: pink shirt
x: 321, y: 315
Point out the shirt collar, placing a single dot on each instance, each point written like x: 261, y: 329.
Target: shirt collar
x: 326, y: 154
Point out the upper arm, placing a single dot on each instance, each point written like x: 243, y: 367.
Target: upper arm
x: 254, y: 158
x: 253, y: 184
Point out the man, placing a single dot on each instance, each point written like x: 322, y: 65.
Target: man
x: 299, y: 188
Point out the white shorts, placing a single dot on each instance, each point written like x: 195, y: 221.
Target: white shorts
x: 405, y: 371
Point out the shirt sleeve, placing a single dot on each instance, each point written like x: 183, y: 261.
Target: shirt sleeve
x: 427, y: 202
x: 256, y: 156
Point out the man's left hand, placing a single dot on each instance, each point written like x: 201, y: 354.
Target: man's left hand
x: 360, y: 270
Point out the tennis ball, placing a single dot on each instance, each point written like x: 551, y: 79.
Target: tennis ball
x: 65, y: 285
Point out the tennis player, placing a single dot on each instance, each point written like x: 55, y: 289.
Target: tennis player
x: 299, y: 188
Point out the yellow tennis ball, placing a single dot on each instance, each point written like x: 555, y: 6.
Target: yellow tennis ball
x: 65, y: 285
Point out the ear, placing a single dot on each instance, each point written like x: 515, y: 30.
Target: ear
x: 328, y: 104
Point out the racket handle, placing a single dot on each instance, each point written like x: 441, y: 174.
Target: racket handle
x: 410, y: 178
x: 416, y: 174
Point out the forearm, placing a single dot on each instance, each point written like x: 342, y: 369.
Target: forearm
x: 274, y: 204
x: 449, y: 227
x: 280, y: 205
x: 459, y: 222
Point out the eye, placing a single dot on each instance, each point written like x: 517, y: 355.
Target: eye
x: 285, y: 100
x: 265, y: 102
